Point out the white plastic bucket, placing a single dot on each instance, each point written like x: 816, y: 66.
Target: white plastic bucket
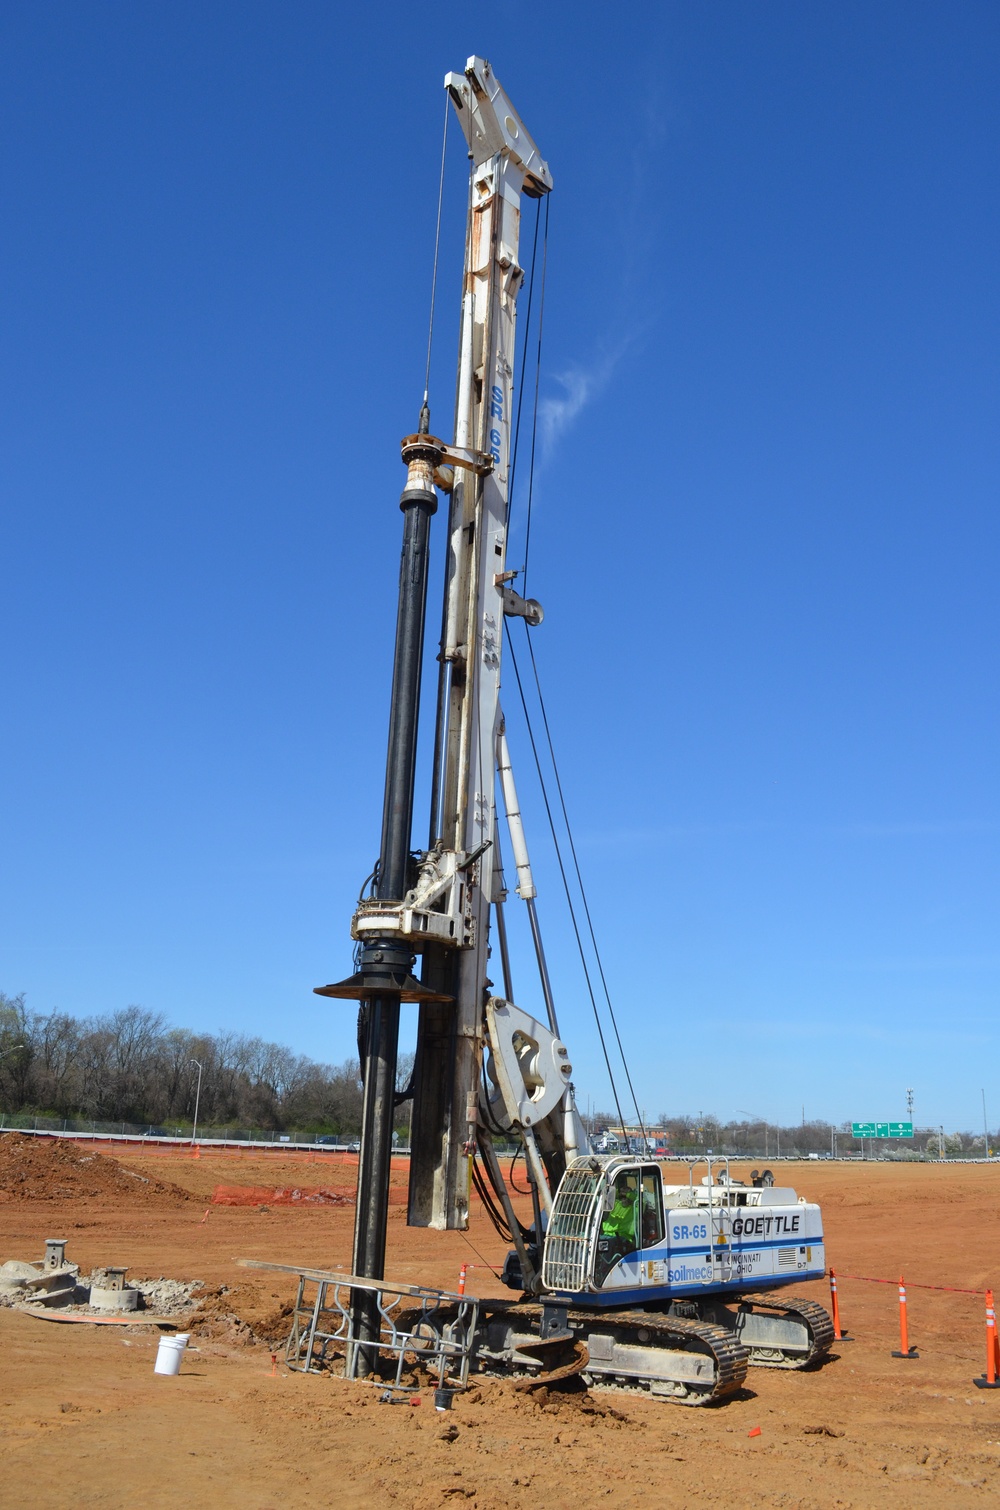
x: 169, y: 1354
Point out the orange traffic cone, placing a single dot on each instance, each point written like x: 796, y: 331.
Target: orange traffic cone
x: 838, y: 1334
x: 905, y: 1350
x: 989, y: 1380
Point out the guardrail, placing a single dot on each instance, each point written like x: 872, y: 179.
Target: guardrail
x: 166, y: 1140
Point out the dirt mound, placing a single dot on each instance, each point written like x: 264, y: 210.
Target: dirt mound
x: 290, y: 1195
x: 294, y: 1195
x: 53, y: 1169
x: 242, y: 1314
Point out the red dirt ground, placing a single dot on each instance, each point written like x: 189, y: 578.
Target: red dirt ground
x: 85, y: 1422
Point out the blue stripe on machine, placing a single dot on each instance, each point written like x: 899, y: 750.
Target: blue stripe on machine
x: 750, y: 1246
x: 603, y: 1299
x: 664, y: 1255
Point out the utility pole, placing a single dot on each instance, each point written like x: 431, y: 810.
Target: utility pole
x: 986, y: 1135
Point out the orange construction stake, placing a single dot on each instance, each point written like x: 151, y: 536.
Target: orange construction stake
x: 989, y: 1379
x: 838, y: 1334
x: 461, y: 1278
x: 905, y: 1350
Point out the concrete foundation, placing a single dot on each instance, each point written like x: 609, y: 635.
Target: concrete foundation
x: 109, y: 1292
x: 114, y: 1300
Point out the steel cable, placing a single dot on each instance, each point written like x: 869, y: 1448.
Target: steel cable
x: 437, y: 248
x: 565, y: 878
x: 583, y: 891
x: 534, y: 415
x: 524, y: 359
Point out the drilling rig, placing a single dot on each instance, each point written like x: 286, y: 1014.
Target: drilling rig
x: 623, y: 1277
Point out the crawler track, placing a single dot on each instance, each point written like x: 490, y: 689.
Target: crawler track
x: 621, y: 1335
x: 815, y: 1318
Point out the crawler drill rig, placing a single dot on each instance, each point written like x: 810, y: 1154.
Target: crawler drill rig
x: 623, y: 1277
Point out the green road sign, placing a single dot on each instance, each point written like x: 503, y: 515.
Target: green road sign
x: 881, y: 1129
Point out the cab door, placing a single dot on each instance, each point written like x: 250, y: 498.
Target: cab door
x: 630, y: 1237
x: 652, y: 1233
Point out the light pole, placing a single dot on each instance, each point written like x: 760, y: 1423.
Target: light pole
x: 197, y: 1103
x: 986, y: 1135
x: 755, y: 1118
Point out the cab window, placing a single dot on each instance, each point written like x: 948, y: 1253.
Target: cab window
x: 652, y: 1208
x: 632, y: 1220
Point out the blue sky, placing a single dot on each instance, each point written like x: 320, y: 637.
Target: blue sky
x: 764, y: 526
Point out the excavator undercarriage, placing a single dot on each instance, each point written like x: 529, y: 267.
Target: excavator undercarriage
x: 667, y: 1354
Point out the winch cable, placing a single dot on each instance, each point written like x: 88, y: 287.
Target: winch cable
x: 485, y: 1179
x: 488, y: 1175
x: 565, y: 878
x: 548, y: 734
x: 437, y: 249
x: 524, y: 358
x: 494, y: 1213
x: 534, y: 416
x: 485, y: 1261
x: 583, y: 890
x: 518, y: 1154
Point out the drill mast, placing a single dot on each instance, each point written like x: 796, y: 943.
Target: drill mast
x: 437, y: 904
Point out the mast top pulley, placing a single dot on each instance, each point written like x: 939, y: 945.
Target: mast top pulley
x: 491, y: 125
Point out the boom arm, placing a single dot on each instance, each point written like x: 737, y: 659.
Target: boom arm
x: 450, y: 1038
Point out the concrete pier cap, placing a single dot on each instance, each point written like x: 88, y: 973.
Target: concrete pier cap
x: 109, y: 1292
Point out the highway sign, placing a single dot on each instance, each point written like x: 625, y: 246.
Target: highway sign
x: 881, y: 1129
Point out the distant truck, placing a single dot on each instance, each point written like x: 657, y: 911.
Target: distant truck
x: 608, y: 1142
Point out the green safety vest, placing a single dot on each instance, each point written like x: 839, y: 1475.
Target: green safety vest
x: 620, y: 1220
